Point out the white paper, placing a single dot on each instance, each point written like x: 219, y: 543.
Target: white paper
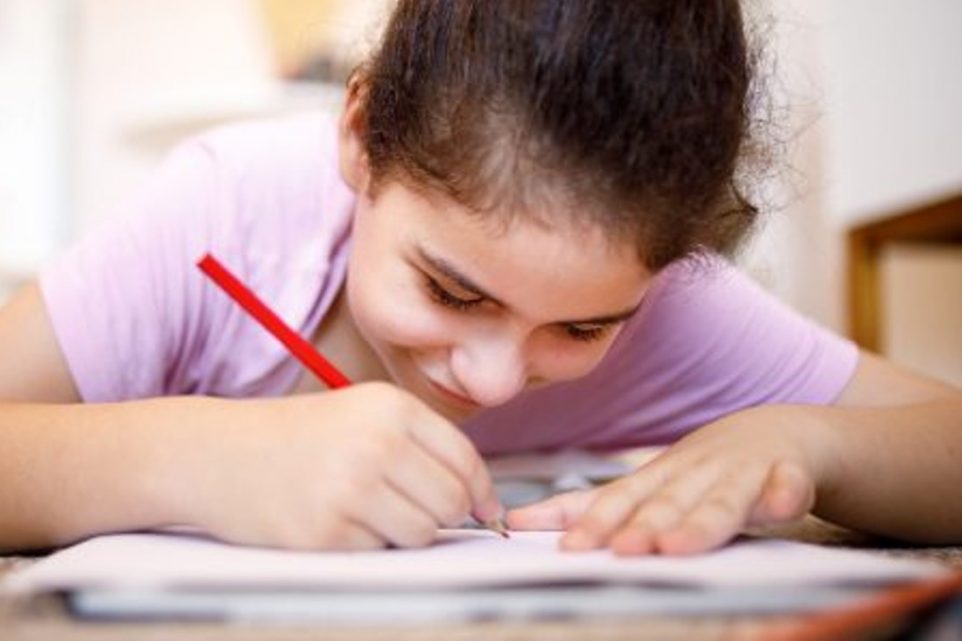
x: 460, y: 559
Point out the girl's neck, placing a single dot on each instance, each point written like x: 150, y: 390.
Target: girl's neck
x: 338, y: 339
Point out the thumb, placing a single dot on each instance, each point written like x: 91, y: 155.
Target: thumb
x: 788, y: 495
x: 556, y: 513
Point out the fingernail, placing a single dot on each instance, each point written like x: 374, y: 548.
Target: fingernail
x: 498, y: 527
x: 494, y: 509
x: 489, y: 511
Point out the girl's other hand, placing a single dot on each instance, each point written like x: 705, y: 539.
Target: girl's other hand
x: 756, y: 467
x: 359, y: 468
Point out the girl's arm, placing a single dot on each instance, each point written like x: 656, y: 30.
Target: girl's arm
x: 885, y: 459
x: 897, y: 467
x: 356, y: 468
x: 69, y: 470
x: 32, y: 367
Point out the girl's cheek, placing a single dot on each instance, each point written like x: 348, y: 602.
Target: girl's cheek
x: 563, y: 359
x: 412, y: 328
x: 403, y: 320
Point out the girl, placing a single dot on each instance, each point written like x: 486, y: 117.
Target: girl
x: 513, y: 239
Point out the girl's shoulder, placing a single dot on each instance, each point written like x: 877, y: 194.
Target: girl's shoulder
x: 707, y: 341
x: 265, y: 197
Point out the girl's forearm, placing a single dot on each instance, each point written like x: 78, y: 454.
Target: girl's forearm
x: 69, y: 471
x: 893, y: 471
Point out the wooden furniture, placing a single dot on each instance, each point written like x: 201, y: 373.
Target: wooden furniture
x: 938, y: 222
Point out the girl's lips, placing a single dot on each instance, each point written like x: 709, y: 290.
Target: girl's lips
x: 462, y: 400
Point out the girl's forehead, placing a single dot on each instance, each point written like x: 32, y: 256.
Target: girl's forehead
x: 544, y: 272
x: 549, y: 229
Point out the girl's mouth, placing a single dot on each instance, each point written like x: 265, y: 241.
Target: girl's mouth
x: 452, y: 395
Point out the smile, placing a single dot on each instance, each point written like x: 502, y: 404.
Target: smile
x: 451, y: 395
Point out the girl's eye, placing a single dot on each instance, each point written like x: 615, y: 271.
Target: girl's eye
x: 439, y: 294
x: 446, y: 298
x: 587, y: 333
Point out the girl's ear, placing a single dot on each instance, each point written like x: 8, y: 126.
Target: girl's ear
x: 353, y: 160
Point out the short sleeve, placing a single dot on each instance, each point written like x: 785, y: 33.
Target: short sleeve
x: 125, y: 303
x: 712, y: 341
x: 136, y: 318
x: 706, y: 342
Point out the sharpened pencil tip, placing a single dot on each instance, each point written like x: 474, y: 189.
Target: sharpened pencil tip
x: 496, y: 525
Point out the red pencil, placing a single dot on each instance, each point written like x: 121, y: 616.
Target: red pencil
x: 300, y: 348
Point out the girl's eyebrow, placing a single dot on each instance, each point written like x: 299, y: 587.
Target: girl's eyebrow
x: 448, y: 270
x: 445, y: 268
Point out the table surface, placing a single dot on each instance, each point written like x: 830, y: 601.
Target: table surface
x: 44, y: 617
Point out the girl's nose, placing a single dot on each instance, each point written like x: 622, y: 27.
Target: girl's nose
x: 491, y: 370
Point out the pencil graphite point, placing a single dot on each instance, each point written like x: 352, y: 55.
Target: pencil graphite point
x: 497, y: 525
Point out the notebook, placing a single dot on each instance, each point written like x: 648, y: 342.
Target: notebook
x: 466, y: 574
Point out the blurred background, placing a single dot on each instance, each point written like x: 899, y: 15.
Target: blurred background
x: 866, y: 237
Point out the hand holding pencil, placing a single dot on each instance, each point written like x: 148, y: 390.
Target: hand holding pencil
x: 362, y: 467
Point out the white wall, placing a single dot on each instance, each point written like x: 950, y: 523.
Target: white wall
x: 799, y: 253
x: 149, y: 71
x: 34, y: 72
x: 894, y: 103
x: 154, y: 72
x: 874, y: 96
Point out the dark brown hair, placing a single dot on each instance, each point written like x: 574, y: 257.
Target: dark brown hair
x: 632, y: 113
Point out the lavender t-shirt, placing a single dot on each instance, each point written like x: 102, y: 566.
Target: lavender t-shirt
x: 135, y: 318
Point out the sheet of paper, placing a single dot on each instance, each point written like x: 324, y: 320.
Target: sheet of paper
x: 460, y: 559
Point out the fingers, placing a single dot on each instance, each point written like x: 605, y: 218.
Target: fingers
x: 557, y: 513
x: 789, y: 495
x: 329, y: 532
x: 344, y: 535
x: 684, y: 511
x: 720, y: 515
x: 394, y: 518
x: 664, y: 510
x: 452, y: 448
x: 430, y: 485
x: 613, y: 505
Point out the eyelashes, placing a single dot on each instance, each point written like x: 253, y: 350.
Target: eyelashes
x: 588, y: 334
x: 445, y: 298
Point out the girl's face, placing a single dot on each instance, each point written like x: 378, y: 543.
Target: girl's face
x: 465, y: 314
